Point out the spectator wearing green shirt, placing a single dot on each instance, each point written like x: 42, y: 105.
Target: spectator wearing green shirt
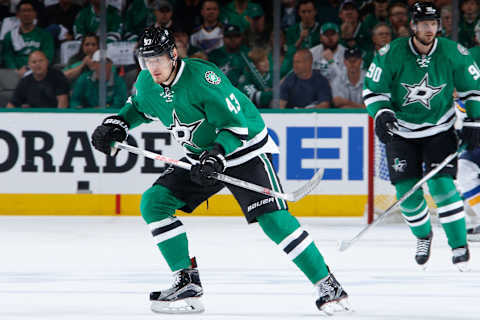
x: 231, y: 58
x: 257, y: 81
x: 379, y: 14
x: 26, y: 38
x: 85, y: 91
x: 138, y: 16
x: 82, y: 60
x: 306, y: 33
x: 88, y: 21
x: 381, y: 35
x: 239, y: 13
x: 352, y: 33
x: 468, y: 20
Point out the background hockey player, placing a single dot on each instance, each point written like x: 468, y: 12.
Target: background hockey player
x: 408, y: 90
x: 468, y: 177
x: 220, y: 131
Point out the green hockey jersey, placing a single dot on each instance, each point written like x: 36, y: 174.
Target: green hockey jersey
x: 200, y: 108
x: 17, y: 46
x: 87, y: 21
x: 419, y: 88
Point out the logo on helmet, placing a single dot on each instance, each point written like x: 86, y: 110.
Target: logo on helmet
x: 147, y: 42
x: 212, y: 78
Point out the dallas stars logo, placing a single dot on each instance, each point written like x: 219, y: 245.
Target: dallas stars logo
x: 167, y: 94
x: 421, y: 92
x: 399, y: 165
x: 183, y: 132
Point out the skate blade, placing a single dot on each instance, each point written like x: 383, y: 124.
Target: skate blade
x: 188, y: 305
x: 473, y: 237
x: 336, y: 306
x: 463, y: 267
x: 423, y: 267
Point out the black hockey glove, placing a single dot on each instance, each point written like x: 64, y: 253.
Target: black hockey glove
x: 471, y: 133
x: 385, y: 124
x: 210, y: 161
x: 113, y: 128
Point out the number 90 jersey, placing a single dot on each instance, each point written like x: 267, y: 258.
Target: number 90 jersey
x: 419, y: 88
x: 200, y: 108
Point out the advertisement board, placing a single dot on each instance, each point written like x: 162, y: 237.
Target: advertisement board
x: 51, y: 153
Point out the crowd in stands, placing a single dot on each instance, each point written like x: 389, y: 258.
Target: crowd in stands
x: 50, y: 48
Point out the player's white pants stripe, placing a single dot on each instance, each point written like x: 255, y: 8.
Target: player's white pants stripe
x: 275, y: 184
x: 418, y: 219
x: 166, y: 229
x: 295, y: 243
x: 452, y: 212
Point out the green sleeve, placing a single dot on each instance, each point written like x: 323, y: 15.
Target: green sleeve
x: 8, y: 53
x: 130, y: 113
x: 77, y: 92
x: 467, y: 80
x: 223, y: 108
x: 120, y: 93
x: 47, y: 46
x: 378, y: 82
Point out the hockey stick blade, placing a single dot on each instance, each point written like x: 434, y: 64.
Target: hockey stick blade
x: 293, y: 196
x: 345, y: 244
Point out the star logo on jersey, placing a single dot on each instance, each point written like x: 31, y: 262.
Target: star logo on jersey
x: 421, y: 92
x: 399, y: 165
x: 183, y: 132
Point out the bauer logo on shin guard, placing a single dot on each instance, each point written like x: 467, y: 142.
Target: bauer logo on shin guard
x: 259, y: 204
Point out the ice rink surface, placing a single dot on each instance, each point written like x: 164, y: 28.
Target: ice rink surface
x: 97, y: 268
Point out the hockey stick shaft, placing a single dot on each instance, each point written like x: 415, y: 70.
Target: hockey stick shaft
x: 294, y: 196
x: 345, y: 244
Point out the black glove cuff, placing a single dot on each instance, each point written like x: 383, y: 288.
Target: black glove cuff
x: 116, y: 121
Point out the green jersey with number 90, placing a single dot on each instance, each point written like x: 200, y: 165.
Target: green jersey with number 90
x: 419, y: 88
x: 200, y: 108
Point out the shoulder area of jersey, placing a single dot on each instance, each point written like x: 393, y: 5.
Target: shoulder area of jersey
x: 452, y: 45
x: 392, y: 46
x: 209, y: 71
x: 144, y: 81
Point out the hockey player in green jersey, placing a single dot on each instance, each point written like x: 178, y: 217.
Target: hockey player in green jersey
x: 409, y: 91
x: 220, y: 131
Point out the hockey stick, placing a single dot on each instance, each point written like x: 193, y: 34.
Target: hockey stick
x: 345, y: 244
x: 292, y: 196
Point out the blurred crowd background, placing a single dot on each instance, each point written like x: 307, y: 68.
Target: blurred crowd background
x: 50, y: 55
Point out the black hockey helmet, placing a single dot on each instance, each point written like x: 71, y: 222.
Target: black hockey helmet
x: 422, y: 11
x: 155, y: 41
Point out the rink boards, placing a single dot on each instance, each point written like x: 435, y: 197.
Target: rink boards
x: 48, y: 166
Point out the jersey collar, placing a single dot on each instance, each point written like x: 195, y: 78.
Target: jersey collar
x: 179, y: 73
x: 414, y: 50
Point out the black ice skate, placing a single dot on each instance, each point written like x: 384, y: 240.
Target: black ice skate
x: 422, y: 253
x: 460, y: 258
x: 183, y: 296
x: 473, y: 234
x: 331, y: 297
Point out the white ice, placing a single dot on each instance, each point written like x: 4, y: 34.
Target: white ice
x: 97, y: 268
